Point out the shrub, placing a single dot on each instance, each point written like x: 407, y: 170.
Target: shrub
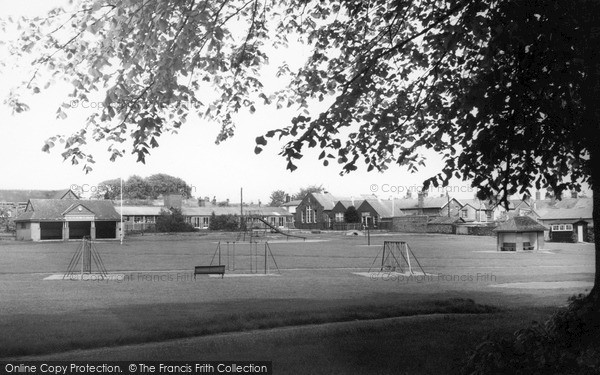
x: 224, y: 222
x: 172, y: 221
x: 351, y: 215
x: 566, y: 344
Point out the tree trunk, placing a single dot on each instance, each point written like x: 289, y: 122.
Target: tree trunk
x: 591, y: 128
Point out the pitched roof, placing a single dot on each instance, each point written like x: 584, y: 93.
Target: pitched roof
x: 17, y: 195
x: 384, y: 208
x: 55, y: 209
x: 293, y: 203
x: 268, y: 211
x: 428, y: 202
x: 565, y: 213
x: 520, y: 224
x: 565, y: 203
x: 326, y: 200
x: 140, y: 210
x: 478, y: 204
x: 208, y: 211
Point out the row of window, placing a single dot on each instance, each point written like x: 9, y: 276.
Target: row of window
x: 308, y: 215
x: 139, y: 219
x: 562, y: 227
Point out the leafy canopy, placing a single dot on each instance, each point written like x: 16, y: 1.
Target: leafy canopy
x: 489, y: 85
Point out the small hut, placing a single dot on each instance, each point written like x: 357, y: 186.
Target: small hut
x: 520, y: 233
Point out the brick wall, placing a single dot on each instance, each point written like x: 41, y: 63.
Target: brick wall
x: 440, y: 228
x: 411, y: 224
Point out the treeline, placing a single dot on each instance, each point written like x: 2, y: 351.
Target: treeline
x: 136, y: 187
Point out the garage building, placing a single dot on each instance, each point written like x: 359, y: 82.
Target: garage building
x: 68, y: 219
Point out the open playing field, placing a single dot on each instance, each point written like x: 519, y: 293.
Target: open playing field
x: 335, y: 319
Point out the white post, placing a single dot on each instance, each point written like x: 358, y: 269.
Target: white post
x: 122, y: 228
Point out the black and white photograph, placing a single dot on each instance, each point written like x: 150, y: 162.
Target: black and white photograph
x: 299, y: 187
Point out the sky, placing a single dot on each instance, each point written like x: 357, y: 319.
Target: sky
x: 212, y: 170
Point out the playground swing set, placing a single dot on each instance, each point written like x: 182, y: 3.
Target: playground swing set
x: 81, y: 262
x: 396, y: 256
x: 227, y: 253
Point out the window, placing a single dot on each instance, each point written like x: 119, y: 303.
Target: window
x: 488, y: 214
x: 137, y: 219
x: 303, y: 214
x: 310, y: 215
x: 464, y: 213
x: 562, y: 227
x: 205, y: 222
x: 339, y: 217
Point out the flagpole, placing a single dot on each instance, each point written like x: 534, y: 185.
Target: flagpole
x: 122, y: 228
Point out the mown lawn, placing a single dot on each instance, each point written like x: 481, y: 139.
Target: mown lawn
x: 159, y: 299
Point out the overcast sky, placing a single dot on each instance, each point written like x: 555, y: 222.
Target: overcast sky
x: 212, y: 170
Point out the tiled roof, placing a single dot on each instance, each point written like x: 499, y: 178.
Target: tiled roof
x: 476, y: 204
x: 384, y: 208
x: 17, y: 195
x: 207, y: 211
x: 520, y: 224
x: 293, y: 203
x: 54, y: 209
x: 428, y: 202
x: 261, y: 211
x: 139, y: 210
x: 326, y: 200
x: 565, y: 213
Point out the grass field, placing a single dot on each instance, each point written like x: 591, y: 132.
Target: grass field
x: 157, y: 299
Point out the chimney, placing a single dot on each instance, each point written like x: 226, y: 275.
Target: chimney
x: 288, y: 199
x: 421, y: 197
x: 538, y: 195
x: 573, y: 194
x: 227, y: 202
x: 214, y: 201
x: 259, y: 203
x: 201, y: 202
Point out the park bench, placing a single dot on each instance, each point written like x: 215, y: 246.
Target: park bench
x: 509, y: 246
x: 209, y: 270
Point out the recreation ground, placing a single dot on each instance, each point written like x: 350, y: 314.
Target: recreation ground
x: 317, y: 309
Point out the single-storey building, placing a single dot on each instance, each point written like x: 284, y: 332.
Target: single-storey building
x: 377, y: 213
x: 567, y: 224
x: 520, y: 233
x: 139, y: 218
x: 67, y: 219
x: 277, y: 217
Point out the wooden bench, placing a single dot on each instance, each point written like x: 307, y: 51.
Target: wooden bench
x: 209, y: 270
x: 509, y: 246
